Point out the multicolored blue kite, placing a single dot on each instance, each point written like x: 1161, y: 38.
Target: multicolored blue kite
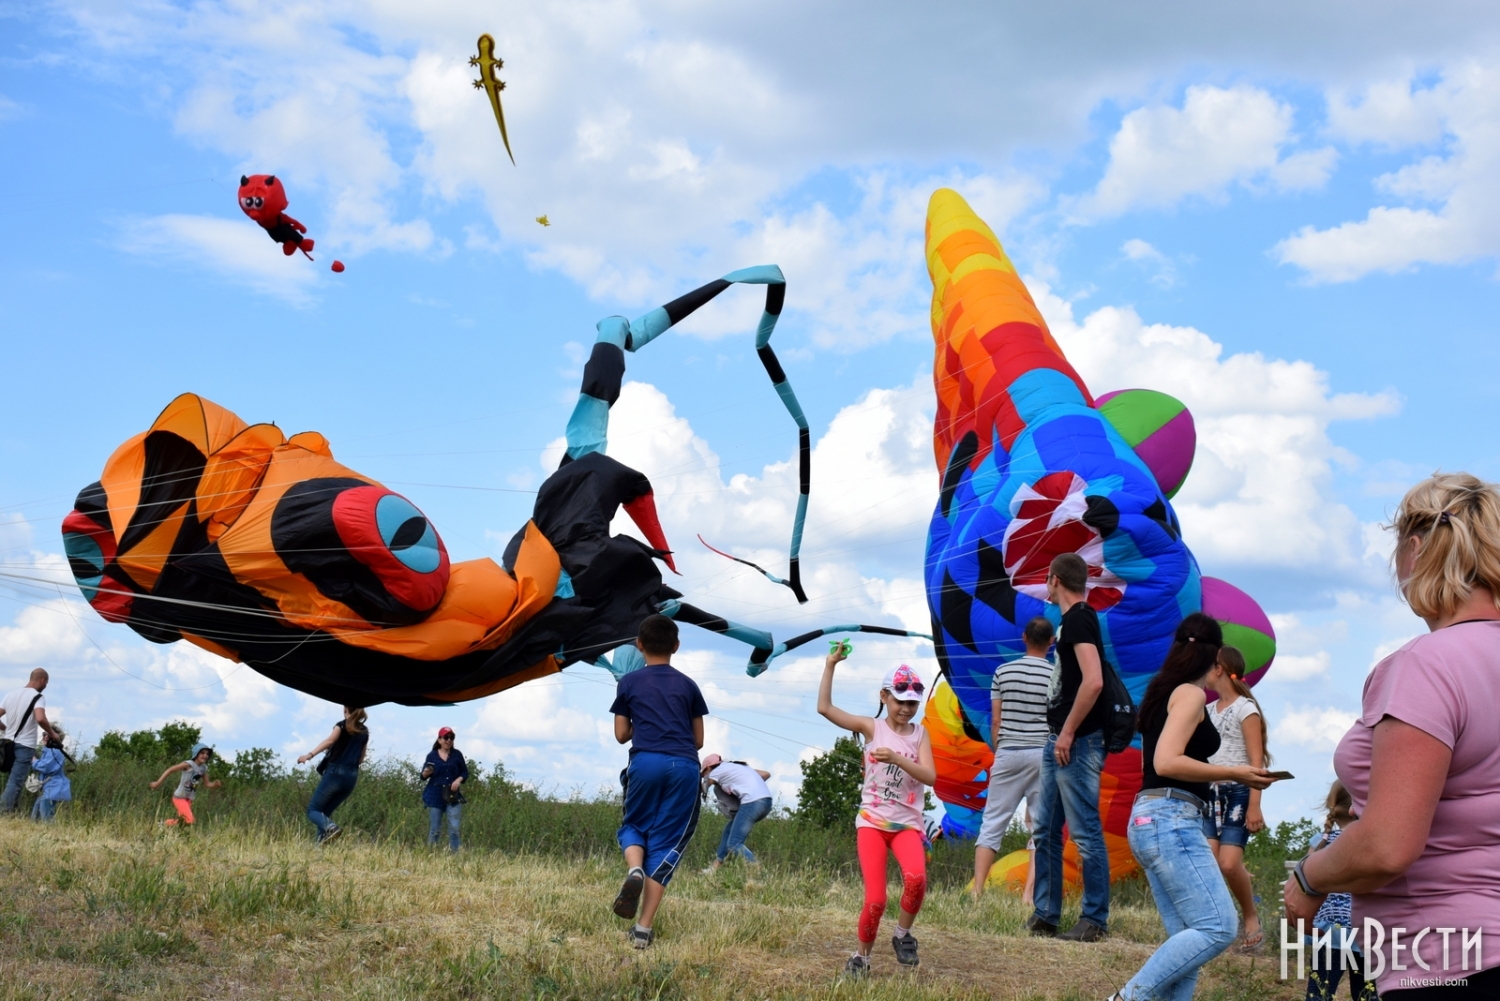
x: 1032, y: 466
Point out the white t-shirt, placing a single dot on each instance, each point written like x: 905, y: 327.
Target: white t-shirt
x: 741, y: 781
x: 23, y: 732
x: 1228, y: 722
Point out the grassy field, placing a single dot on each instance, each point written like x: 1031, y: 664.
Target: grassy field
x: 109, y: 904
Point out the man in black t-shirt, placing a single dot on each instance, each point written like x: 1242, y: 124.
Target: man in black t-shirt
x: 1072, y: 760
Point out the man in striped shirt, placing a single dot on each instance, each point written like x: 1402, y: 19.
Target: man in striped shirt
x: 1018, y: 731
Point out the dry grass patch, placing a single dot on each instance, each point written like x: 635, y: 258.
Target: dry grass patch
x: 127, y: 911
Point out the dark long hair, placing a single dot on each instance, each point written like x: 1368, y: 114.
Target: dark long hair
x: 1195, y: 648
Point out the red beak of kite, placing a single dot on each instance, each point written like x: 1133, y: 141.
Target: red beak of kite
x: 642, y: 511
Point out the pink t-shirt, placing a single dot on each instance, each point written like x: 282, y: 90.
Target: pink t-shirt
x: 891, y: 799
x: 1446, y: 684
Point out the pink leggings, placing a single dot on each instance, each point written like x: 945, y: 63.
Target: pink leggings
x: 910, y: 856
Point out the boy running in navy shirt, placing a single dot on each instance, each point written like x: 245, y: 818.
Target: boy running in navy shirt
x: 659, y: 711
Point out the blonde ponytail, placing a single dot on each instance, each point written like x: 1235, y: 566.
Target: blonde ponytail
x: 1457, y: 517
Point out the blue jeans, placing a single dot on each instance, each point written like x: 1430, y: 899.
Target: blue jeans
x: 1071, y: 792
x: 18, y: 772
x: 1228, y: 814
x: 1166, y: 836
x: 738, y: 829
x: 333, y: 788
x: 44, y: 809
x: 435, y: 814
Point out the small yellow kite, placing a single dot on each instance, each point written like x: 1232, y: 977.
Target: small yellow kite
x: 543, y: 220
x: 491, y: 84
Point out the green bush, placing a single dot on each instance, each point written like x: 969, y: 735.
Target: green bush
x: 255, y: 766
x: 831, y: 785
x: 1267, y: 854
x: 169, y: 745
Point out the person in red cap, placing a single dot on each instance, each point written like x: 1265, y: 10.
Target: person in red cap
x: 445, y: 771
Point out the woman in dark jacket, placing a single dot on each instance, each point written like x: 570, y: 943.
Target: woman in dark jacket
x: 445, y: 771
x: 346, y: 747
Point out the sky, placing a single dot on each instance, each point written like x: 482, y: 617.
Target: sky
x: 1286, y: 216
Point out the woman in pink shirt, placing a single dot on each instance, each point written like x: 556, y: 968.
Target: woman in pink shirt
x: 898, y: 765
x: 1423, y: 764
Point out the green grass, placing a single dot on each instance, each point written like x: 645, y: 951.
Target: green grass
x: 108, y: 904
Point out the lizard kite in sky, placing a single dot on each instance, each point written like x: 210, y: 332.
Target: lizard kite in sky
x: 491, y: 84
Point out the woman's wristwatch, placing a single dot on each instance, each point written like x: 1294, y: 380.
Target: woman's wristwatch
x: 1301, y: 878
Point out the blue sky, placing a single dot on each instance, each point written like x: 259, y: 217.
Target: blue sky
x: 1285, y: 217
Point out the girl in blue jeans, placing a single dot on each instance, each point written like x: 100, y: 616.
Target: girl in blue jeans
x: 1166, y: 823
x: 346, y: 747
x: 445, y: 771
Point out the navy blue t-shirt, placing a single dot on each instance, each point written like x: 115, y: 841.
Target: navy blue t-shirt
x: 661, y: 703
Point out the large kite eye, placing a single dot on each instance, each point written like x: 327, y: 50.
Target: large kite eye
x: 86, y: 560
x: 259, y: 201
x: 407, y: 533
x: 249, y: 203
x: 90, y: 547
x: 362, y: 545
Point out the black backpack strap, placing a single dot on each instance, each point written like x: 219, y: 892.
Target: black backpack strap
x: 24, y: 716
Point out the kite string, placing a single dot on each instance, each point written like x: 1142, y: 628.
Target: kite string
x: 197, y: 688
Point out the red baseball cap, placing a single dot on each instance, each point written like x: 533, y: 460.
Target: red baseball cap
x: 446, y: 731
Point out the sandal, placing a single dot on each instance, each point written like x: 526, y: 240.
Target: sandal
x: 1252, y: 944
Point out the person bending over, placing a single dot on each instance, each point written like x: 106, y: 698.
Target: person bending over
x: 747, y: 787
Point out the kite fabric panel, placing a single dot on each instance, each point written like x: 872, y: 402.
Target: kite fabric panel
x: 266, y: 550
x: 1032, y: 466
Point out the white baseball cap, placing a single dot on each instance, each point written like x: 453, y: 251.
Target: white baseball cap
x: 903, y: 683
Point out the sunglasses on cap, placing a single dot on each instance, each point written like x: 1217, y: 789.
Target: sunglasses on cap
x: 903, y: 686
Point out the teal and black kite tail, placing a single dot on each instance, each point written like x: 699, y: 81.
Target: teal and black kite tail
x: 588, y: 428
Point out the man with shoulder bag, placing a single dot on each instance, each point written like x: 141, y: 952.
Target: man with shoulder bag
x: 23, y: 713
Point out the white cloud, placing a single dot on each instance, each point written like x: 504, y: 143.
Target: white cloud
x: 42, y: 635
x: 874, y: 484
x: 235, y: 249
x: 1292, y: 667
x: 535, y: 714
x: 1452, y: 210
x: 1218, y: 138
x: 1317, y: 729
x: 1163, y: 271
x: 1261, y: 490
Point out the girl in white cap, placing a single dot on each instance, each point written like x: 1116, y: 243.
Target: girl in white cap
x: 898, y: 765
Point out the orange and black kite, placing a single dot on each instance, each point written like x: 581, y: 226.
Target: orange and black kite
x: 266, y: 550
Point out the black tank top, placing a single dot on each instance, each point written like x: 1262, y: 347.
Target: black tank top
x: 1203, y: 742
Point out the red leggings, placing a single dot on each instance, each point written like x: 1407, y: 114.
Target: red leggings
x: 910, y: 856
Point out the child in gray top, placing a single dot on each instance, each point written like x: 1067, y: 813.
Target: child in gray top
x: 194, y: 772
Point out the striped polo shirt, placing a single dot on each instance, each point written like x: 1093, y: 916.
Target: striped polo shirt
x: 1021, y: 687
